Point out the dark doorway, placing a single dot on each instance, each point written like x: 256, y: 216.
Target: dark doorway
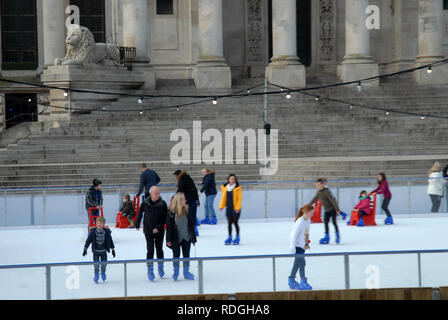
x: 303, y: 31
x: 92, y: 16
x: 19, y: 34
x: 20, y: 107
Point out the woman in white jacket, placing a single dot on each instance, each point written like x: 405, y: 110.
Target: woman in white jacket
x: 299, y: 242
x: 435, y: 186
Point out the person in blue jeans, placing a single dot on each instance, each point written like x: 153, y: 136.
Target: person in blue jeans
x: 299, y: 242
x: 209, y: 187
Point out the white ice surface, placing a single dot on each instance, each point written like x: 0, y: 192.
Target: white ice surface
x: 29, y: 245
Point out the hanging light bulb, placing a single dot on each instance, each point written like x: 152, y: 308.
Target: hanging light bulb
x: 104, y: 108
x: 29, y: 100
x: 65, y: 93
x: 215, y: 101
x: 429, y: 70
x: 387, y: 113
x: 177, y: 108
x: 422, y: 117
x: 288, y: 95
x: 351, y: 106
x: 316, y: 98
x: 359, y: 87
x: 248, y: 91
x: 141, y: 112
x: 140, y: 100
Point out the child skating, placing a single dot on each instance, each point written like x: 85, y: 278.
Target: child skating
x: 363, y: 207
x: 331, y: 208
x: 383, y: 188
x: 232, y: 196
x: 299, y: 242
x: 101, y: 239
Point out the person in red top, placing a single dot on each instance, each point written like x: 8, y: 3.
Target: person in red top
x: 383, y: 188
x: 363, y: 206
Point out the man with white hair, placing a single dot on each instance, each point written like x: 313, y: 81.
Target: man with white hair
x: 154, y: 212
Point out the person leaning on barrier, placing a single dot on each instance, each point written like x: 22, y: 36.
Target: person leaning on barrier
x: 154, y: 211
x: 148, y: 178
x: 94, y: 197
x: 435, y: 186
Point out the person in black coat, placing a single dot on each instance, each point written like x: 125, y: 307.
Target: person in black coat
x: 127, y: 210
x: 148, y: 178
x: 180, y: 233
x: 445, y: 175
x: 209, y: 188
x: 154, y: 212
x: 186, y: 185
x: 94, y: 198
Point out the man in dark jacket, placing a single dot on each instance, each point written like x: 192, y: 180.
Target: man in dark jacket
x: 209, y: 187
x: 185, y: 184
x: 154, y: 210
x: 94, y: 198
x: 148, y: 178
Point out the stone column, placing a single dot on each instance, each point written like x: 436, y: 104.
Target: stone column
x: 53, y: 30
x: 136, y: 34
x: 430, y: 42
x: 285, y: 68
x: 211, y: 70
x: 357, y: 62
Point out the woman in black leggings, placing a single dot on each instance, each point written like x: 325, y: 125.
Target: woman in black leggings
x: 232, y: 196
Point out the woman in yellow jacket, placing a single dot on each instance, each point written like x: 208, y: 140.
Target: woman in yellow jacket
x: 232, y: 196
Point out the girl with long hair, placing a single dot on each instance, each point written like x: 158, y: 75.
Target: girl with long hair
x: 383, y: 188
x: 299, y: 242
x: 232, y: 196
x: 180, y: 233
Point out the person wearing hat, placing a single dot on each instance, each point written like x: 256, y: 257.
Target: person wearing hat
x: 94, y: 197
x: 186, y: 185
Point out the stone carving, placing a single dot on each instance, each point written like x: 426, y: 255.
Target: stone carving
x: 81, y: 49
x: 254, y: 31
x: 327, y: 30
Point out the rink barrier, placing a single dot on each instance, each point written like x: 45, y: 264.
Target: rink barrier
x: 200, y: 261
x: 297, y: 188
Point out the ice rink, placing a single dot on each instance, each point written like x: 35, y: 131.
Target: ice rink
x: 53, y: 244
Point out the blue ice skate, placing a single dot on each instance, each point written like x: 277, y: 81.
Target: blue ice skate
x: 196, y: 231
x: 303, y: 285
x: 205, y: 221
x: 187, y: 274
x: 343, y: 215
x: 103, y: 277
x: 338, y: 237
x: 96, y: 277
x: 160, y: 269
x: 360, y: 223
x: 228, y: 240
x: 236, y: 240
x: 176, y: 273
x: 151, y: 275
x: 213, y: 221
x: 389, y: 220
x: 293, y: 284
x: 325, y: 240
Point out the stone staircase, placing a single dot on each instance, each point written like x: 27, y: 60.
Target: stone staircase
x: 315, y: 138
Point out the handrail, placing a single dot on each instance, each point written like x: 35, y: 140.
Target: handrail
x: 217, y: 258
x: 242, y: 183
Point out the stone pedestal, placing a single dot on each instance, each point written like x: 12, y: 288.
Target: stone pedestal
x: 211, y: 71
x: 97, y: 78
x: 357, y: 63
x: 285, y: 69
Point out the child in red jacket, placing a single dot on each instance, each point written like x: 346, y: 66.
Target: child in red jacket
x: 363, y: 207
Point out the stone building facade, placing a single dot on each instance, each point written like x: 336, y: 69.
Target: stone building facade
x: 216, y: 43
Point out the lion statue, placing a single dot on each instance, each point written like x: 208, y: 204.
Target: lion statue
x: 81, y: 49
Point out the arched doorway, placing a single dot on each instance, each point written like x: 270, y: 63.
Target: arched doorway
x: 303, y: 31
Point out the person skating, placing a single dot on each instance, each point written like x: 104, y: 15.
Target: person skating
x: 180, y: 234
x: 154, y: 212
x: 186, y: 185
x: 299, y: 242
x: 231, y: 199
x: 148, y: 178
x: 209, y: 188
x: 94, y: 199
x: 331, y: 208
x: 383, y: 188
x: 101, y: 239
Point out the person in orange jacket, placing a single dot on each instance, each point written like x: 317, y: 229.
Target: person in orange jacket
x: 231, y: 199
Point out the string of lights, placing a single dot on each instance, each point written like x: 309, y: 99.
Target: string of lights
x: 238, y: 94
